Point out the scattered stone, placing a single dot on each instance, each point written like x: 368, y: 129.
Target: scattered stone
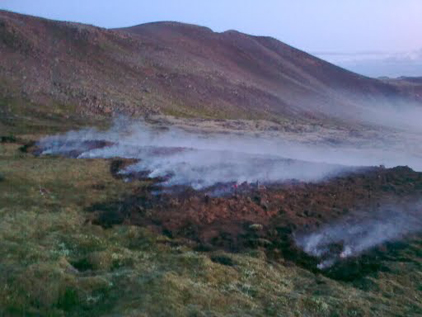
x: 256, y: 227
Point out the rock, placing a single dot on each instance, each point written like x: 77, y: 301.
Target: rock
x: 256, y: 227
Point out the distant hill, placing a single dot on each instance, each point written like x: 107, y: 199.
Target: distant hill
x: 413, y: 85
x: 416, y: 80
x: 177, y: 69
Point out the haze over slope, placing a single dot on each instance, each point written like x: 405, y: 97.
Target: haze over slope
x: 175, y: 68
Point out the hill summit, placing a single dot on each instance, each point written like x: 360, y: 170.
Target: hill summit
x: 177, y: 69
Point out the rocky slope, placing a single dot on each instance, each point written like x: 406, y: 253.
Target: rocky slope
x: 178, y: 69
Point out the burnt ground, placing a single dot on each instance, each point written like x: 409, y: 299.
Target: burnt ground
x: 53, y: 264
x: 267, y: 217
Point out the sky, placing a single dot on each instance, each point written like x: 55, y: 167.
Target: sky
x: 376, y: 37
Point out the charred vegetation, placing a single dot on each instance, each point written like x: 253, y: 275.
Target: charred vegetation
x: 268, y: 217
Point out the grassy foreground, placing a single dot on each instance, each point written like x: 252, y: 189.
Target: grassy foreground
x: 55, y: 263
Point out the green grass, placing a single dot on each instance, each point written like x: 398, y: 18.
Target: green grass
x: 22, y: 117
x: 53, y: 262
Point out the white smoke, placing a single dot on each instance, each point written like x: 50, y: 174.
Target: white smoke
x: 355, y: 235
x: 199, y: 161
x: 203, y: 160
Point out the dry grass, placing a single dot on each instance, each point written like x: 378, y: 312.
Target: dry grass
x: 53, y: 263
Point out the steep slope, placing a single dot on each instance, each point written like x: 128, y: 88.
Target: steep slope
x: 178, y: 69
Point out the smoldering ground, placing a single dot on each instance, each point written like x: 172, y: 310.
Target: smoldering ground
x: 211, y: 162
x: 360, y: 232
x: 202, y: 160
x: 196, y: 160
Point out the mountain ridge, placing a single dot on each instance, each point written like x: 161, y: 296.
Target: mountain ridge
x: 177, y: 69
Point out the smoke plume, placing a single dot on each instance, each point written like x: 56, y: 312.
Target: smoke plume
x: 202, y: 160
x: 359, y: 233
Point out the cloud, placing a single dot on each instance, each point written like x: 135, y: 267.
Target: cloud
x: 377, y: 64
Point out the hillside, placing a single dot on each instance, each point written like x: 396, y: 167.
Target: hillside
x: 175, y: 69
x: 411, y: 84
x: 312, y: 208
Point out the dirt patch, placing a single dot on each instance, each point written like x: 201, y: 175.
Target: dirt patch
x: 118, y: 165
x: 29, y: 147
